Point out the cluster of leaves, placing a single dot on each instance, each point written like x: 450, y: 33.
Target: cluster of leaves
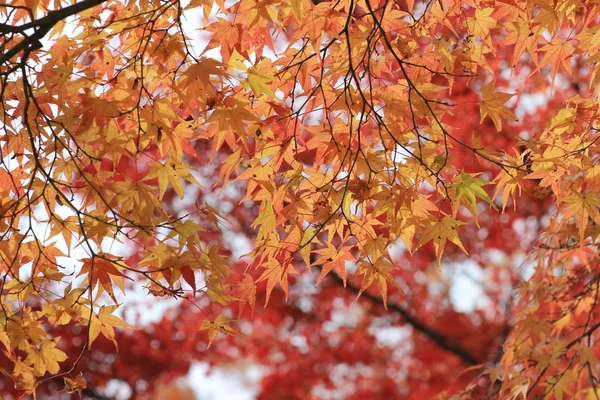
x: 354, y: 143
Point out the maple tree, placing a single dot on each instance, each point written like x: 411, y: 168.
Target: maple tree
x: 366, y: 151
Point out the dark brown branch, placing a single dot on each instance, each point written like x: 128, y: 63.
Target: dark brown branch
x: 42, y: 26
x: 443, y: 341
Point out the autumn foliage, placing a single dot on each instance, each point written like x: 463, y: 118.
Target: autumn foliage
x: 314, y: 183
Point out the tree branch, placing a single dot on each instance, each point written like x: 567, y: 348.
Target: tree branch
x: 42, y: 26
x: 445, y: 342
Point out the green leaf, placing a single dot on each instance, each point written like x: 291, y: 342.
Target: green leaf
x: 466, y: 191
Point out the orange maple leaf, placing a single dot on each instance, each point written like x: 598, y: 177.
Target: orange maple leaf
x: 276, y: 272
x: 103, y: 271
x: 556, y: 53
x: 493, y: 105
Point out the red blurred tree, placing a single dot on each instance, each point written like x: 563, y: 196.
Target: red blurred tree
x: 369, y: 153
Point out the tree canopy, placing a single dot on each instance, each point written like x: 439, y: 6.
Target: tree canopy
x: 311, y: 181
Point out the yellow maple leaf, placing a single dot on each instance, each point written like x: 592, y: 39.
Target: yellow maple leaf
x: 297, y: 9
x: 171, y: 172
x: 24, y: 378
x: 582, y: 206
x: 481, y: 24
x: 45, y: 358
x: 220, y: 324
x: 104, y: 323
x: 439, y: 232
x: 258, y: 83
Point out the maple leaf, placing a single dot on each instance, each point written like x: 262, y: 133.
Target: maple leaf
x: 439, y: 232
x: 467, y: 190
x: 274, y: 273
x: 22, y: 332
x: 520, y: 390
x: 104, y: 272
x: 171, y: 172
x: 46, y: 358
x: 330, y: 258
x: 557, y: 53
x: 103, y: 323
x: 258, y: 83
x: 524, y: 37
x: 586, y: 355
x: 481, y: 24
x: 234, y: 117
x: 510, y: 182
x: 204, y: 67
x: 25, y: 379
x: 266, y: 221
x: 77, y: 384
x: 231, y: 164
x: 186, y: 232
x: 421, y: 207
x: 493, y: 106
x: 246, y: 292
x: 583, y: 206
x: 589, y: 39
x: 559, y: 385
x: 220, y: 324
x: 378, y: 273
x: 216, y: 290
x: 297, y: 6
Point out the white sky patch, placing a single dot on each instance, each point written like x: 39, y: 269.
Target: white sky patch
x: 240, y: 245
x: 117, y: 390
x: 395, y: 337
x: 527, y: 269
x: 192, y: 21
x: 466, y: 290
x: 531, y: 102
x: 236, y: 383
